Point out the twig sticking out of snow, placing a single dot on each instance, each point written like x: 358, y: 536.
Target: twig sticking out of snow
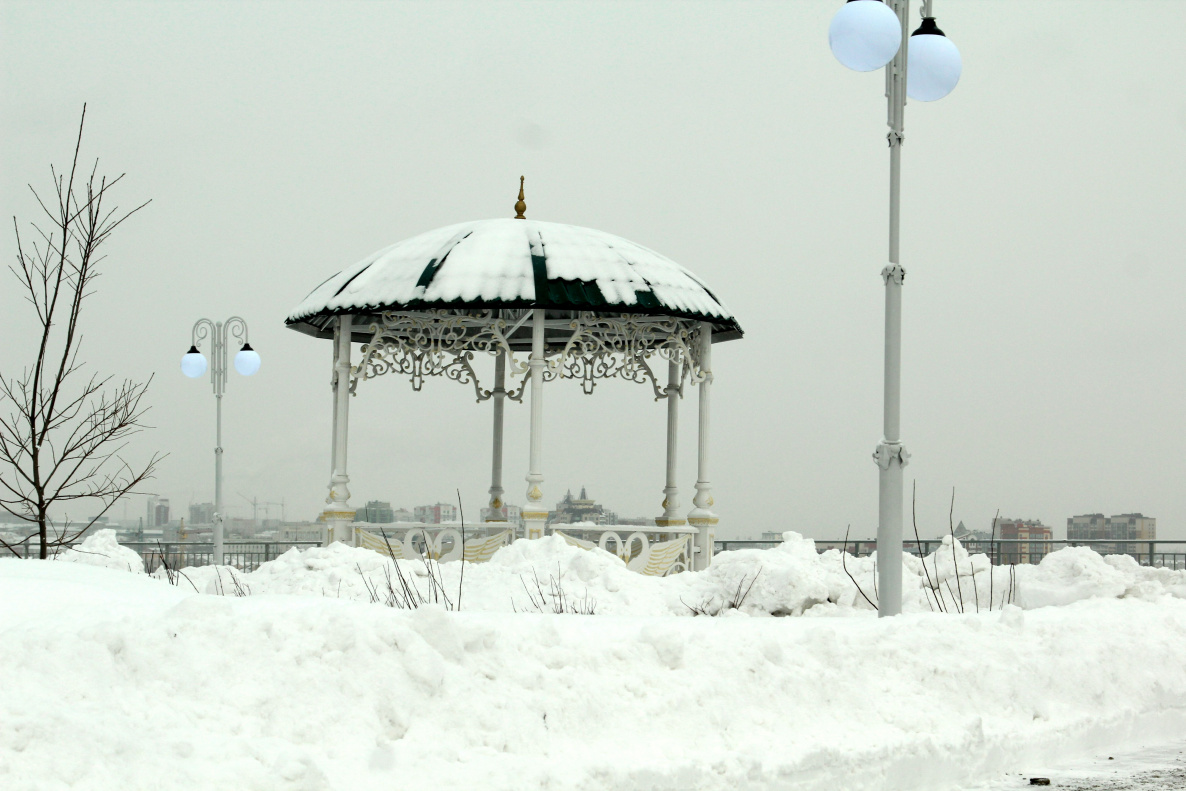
x: 461, y: 582
x: 738, y: 596
x: 918, y: 543
x: 954, y: 560
x: 171, y: 573
x: 710, y: 608
x: 241, y: 588
x: 561, y: 602
x: 402, y: 592
x: 936, y: 586
x: 844, y: 565
x: 992, y: 543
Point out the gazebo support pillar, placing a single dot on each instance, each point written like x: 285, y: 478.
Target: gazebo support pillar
x: 338, y: 515
x: 333, y: 385
x: 535, y: 513
x: 702, y: 516
x: 671, y: 514
x: 500, y: 394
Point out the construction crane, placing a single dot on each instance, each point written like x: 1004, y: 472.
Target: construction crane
x: 256, y: 504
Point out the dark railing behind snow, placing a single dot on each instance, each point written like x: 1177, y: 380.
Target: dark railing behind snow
x: 243, y: 555
x: 249, y: 555
x: 1007, y: 550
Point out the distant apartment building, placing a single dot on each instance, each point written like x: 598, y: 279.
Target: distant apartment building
x: 436, y: 514
x: 1018, y: 532
x: 1134, y: 527
x: 201, y: 514
x: 158, y: 512
x: 376, y: 512
x: 1088, y: 527
x: 1118, y: 529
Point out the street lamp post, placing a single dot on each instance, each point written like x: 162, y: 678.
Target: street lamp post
x: 866, y: 35
x: 193, y: 365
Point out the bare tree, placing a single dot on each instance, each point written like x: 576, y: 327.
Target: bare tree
x: 62, y: 432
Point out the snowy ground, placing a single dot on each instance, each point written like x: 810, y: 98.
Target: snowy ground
x: 117, y: 680
x: 1161, y: 768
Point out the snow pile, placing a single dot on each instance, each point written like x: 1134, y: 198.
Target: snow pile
x: 215, y: 580
x: 1077, y: 573
x: 789, y: 579
x: 583, y: 573
x: 102, y: 549
x: 115, y: 681
x: 1148, y: 582
x: 501, y: 585
x: 1070, y: 575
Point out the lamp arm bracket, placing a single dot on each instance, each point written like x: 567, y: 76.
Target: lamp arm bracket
x: 894, y: 272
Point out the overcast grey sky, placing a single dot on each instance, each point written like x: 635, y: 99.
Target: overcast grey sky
x: 1044, y: 331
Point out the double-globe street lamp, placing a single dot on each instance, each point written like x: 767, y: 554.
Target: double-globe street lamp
x: 866, y: 35
x: 193, y: 365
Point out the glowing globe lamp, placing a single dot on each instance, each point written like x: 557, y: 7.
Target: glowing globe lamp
x: 865, y: 34
x: 933, y: 63
x: 247, y: 360
x: 193, y: 364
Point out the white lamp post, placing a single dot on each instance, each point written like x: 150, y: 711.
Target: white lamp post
x: 193, y: 365
x: 860, y: 37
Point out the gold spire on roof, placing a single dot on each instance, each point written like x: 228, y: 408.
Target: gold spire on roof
x: 520, y: 206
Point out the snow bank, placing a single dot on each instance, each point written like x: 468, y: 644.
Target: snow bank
x: 102, y: 549
x: 118, y: 681
x: 501, y: 585
x: 789, y: 579
x: 43, y: 591
x: 1076, y: 573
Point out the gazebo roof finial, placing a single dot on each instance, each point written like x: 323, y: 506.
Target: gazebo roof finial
x: 520, y: 206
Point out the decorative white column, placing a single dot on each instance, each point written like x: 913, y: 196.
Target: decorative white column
x: 500, y: 394
x: 327, y: 528
x: 535, y: 513
x: 333, y: 385
x: 338, y: 514
x: 671, y: 516
x: 702, y: 516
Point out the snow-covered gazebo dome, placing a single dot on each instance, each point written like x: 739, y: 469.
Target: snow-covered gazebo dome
x: 576, y: 302
x: 513, y: 264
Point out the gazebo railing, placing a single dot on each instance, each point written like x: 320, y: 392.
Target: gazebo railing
x: 653, y: 550
x: 441, y: 542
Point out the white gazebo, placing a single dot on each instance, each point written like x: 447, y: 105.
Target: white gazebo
x: 547, y: 302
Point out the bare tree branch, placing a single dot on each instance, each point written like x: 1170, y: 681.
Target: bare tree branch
x: 62, y: 434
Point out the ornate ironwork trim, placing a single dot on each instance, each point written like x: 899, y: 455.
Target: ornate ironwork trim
x: 444, y: 343
x: 602, y: 347
x: 435, y: 343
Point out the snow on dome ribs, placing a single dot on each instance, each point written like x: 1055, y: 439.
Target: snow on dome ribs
x: 513, y: 264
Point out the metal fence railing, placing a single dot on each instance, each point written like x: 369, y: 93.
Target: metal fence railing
x: 249, y: 555
x: 243, y: 555
x: 1159, y: 553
